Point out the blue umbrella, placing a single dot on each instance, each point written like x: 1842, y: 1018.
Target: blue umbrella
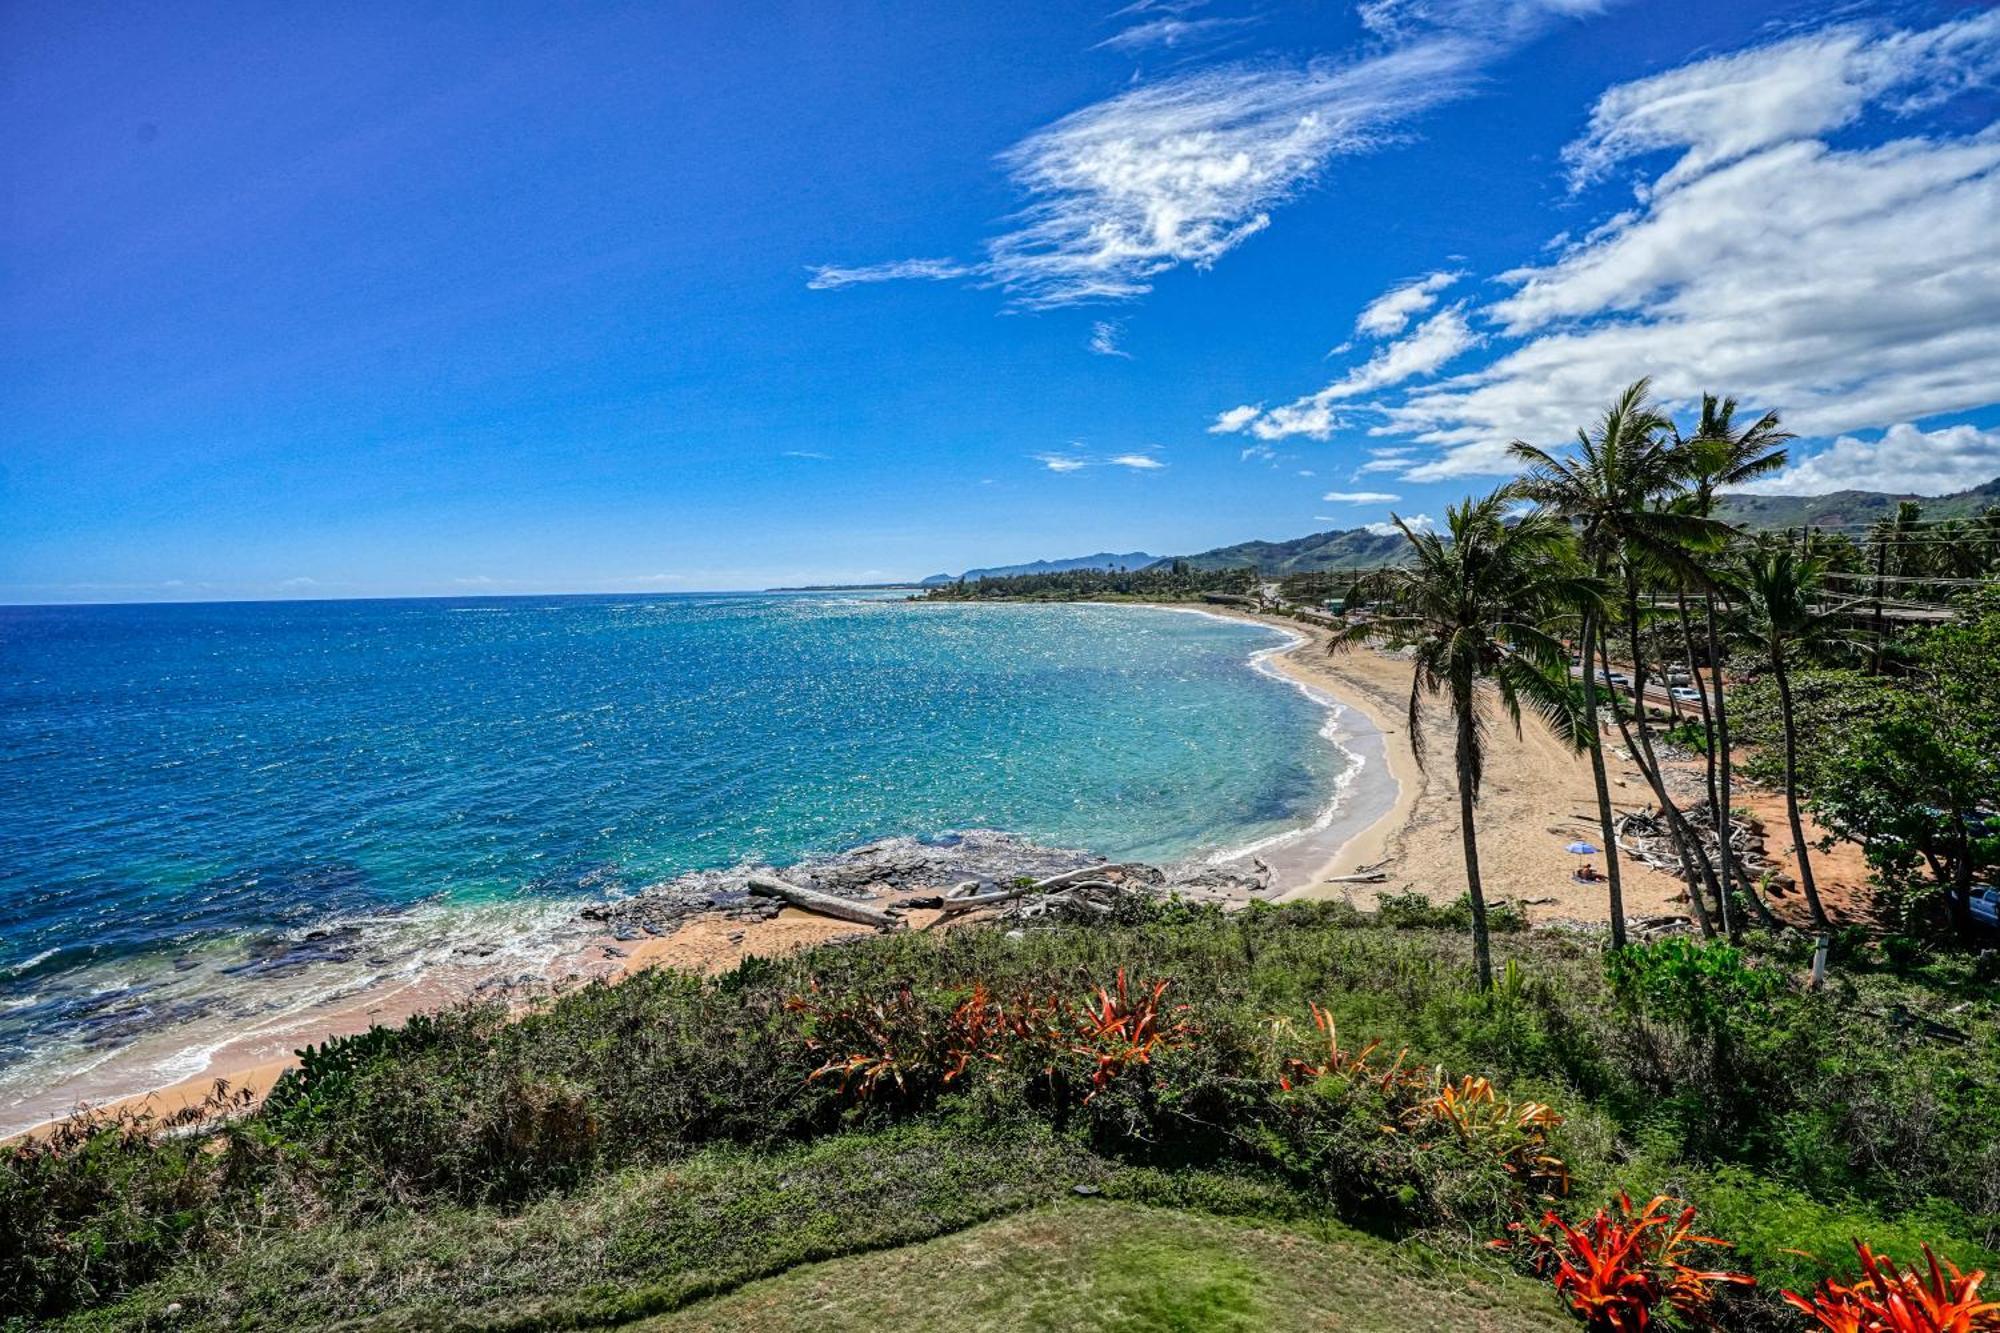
x: 1581, y: 849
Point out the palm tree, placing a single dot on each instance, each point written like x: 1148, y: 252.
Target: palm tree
x: 1721, y: 456
x: 1471, y: 606
x: 1609, y: 492
x: 1784, y: 595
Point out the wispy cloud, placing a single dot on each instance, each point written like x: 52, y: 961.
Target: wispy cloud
x: 830, y: 277
x: 1076, y: 462
x: 806, y: 453
x: 1432, y: 345
x: 1360, y: 497
x: 1388, y: 314
x: 1170, y: 32
x: 1183, y: 170
x: 1104, y: 336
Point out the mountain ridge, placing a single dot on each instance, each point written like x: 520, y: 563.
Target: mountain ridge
x: 1359, y: 548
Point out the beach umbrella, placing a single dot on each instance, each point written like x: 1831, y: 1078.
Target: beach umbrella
x: 1581, y: 849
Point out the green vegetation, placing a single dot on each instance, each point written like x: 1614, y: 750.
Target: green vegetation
x: 1177, y: 581
x: 632, y: 1150
x: 1850, y: 507
x: 1128, y: 1269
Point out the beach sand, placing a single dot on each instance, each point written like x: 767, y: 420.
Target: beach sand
x: 1537, y: 798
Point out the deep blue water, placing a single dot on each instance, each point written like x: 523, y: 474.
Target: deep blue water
x: 184, y: 787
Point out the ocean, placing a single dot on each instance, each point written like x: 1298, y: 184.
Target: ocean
x: 216, y: 818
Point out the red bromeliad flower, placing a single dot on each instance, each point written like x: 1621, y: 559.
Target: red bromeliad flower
x: 1120, y: 1031
x: 1888, y: 1300
x: 1616, y: 1271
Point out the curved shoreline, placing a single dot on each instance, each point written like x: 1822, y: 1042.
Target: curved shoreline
x: 254, y: 1055
x: 1533, y: 787
x: 1350, y: 834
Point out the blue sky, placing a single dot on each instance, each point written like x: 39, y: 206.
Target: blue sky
x: 381, y: 299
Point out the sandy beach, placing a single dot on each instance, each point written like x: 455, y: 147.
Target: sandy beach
x: 1537, y: 799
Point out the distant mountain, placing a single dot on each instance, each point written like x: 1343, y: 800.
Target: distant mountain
x: 1358, y: 548
x: 1789, y: 511
x: 1102, y: 560
x: 1354, y: 548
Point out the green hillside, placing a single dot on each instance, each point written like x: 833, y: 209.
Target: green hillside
x: 1356, y: 548
x: 1790, y: 511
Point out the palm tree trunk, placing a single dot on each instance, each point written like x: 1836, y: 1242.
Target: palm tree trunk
x: 1708, y: 732
x: 1592, y: 730
x: 1468, y: 795
x: 1696, y: 903
x: 1792, y: 788
x: 1725, y: 825
x: 1694, y: 863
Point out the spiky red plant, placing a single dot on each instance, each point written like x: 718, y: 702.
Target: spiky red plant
x: 1616, y: 1271
x: 1887, y: 1300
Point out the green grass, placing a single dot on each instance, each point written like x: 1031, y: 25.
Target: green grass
x: 628, y: 1151
x: 1123, y: 1268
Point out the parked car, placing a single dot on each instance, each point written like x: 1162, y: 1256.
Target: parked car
x: 1986, y: 904
x: 1687, y: 694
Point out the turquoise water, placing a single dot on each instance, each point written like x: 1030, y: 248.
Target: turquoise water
x: 189, y: 793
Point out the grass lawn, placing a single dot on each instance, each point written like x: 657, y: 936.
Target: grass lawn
x: 1131, y: 1269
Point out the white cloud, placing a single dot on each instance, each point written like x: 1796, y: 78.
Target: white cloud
x: 1387, y: 314
x: 1849, y: 287
x: 1137, y: 462
x: 1170, y: 32
x: 1414, y: 522
x: 1427, y: 349
x: 1905, y: 461
x: 807, y: 453
x: 1183, y: 170
x: 829, y: 277
x: 1360, y: 497
x: 1235, y: 419
x: 1261, y: 452
x: 1723, y: 109
x: 1104, y: 336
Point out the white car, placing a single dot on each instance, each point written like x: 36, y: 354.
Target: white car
x: 1687, y: 694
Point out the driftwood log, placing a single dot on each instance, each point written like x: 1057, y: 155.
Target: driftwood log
x: 823, y: 904
x: 962, y: 898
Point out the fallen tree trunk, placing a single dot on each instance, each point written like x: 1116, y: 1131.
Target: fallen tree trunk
x: 823, y: 904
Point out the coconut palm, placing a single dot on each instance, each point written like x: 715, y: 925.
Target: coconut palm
x: 1471, y: 605
x: 1720, y: 456
x: 1610, y: 492
x: 1785, y: 599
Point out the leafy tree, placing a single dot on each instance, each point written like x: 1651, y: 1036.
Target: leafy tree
x: 1471, y: 604
x: 1917, y: 782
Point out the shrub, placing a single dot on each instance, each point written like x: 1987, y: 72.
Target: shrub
x: 1616, y: 1271
x: 105, y: 1200
x: 1887, y: 1300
